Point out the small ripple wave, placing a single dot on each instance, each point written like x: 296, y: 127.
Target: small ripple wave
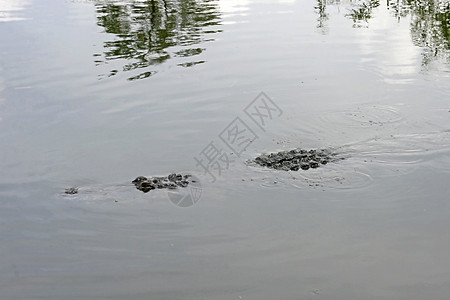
x: 364, y: 115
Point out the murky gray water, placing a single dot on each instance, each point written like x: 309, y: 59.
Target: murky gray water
x: 95, y: 93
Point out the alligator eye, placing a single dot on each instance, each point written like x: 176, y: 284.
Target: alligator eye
x: 139, y: 179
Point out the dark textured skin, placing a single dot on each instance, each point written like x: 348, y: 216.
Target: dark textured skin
x: 296, y: 159
x: 71, y: 191
x: 145, y: 184
x: 171, y: 181
x: 292, y: 160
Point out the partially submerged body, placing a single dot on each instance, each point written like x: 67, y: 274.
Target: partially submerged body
x: 296, y: 159
x: 172, y: 181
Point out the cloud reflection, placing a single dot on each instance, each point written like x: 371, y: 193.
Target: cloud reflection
x: 10, y: 10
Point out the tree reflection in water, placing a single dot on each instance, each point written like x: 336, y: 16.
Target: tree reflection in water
x: 362, y: 12
x: 430, y: 22
x: 321, y: 10
x: 150, y: 32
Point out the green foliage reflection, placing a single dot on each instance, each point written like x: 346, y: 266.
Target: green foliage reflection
x: 362, y: 12
x: 430, y: 22
x: 321, y: 10
x: 150, y: 32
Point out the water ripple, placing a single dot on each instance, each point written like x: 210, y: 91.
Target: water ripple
x: 405, y: 151
x: 365, y: 162
x: 339, y: 177
x: 364, y: 115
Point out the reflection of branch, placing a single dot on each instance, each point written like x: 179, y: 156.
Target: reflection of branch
x: 144, y: 30
x: 399, y: 8
x: 323, y: 15
x: 430, y: 29
x: 430, y: 22
x: 363, y: 12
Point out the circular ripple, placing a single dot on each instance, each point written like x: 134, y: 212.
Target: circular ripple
x: 339, y: 178
x: 401, y: 149
x: 339, y: 175
x: 364, y: 115
x: 277, y: 182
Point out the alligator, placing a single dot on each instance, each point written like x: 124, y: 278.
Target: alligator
x: 400, y: 150
x: 171, y: 181
x: 296, y: 159
x: 146, y: 184
x: 291, y: 160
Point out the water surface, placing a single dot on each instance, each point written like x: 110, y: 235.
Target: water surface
x: 95, y: 93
